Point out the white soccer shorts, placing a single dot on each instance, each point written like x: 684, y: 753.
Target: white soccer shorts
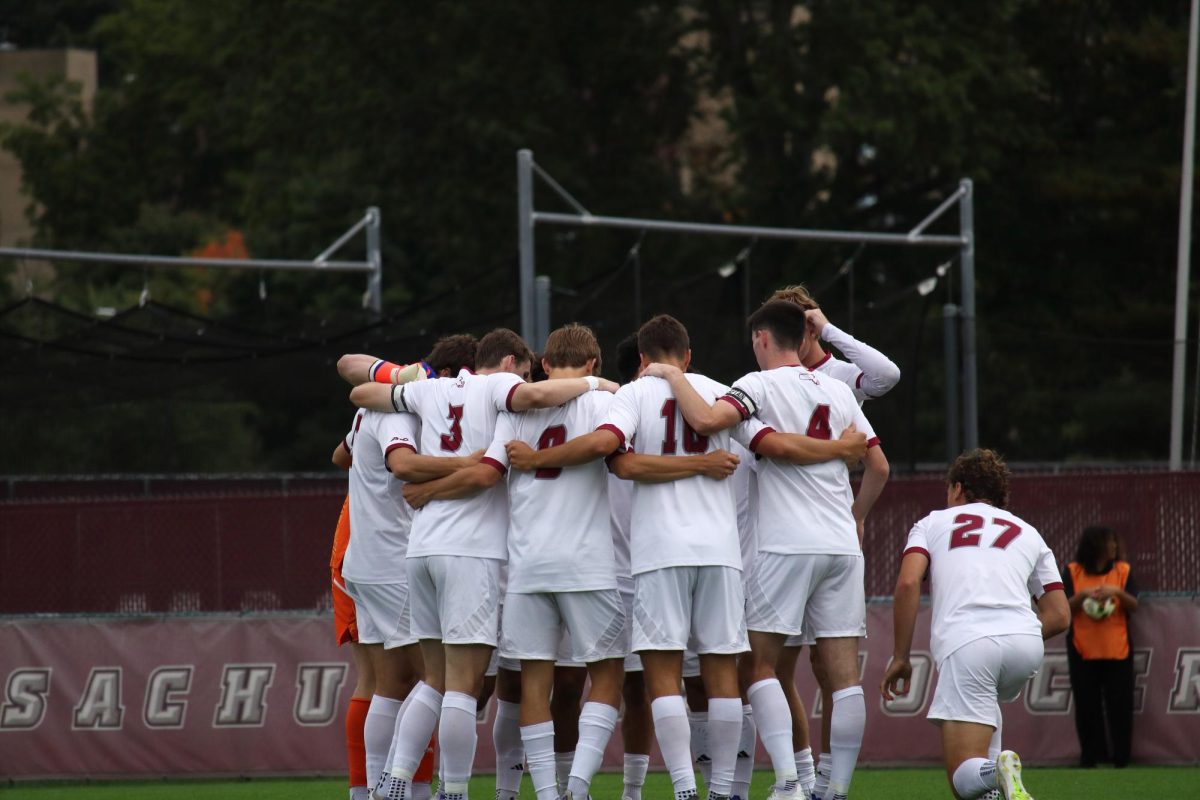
x: 690, y: 608
x: 809, y: 596
x: 976, y: 677
x: 533, y: 625
x: 382, y: 613
x: 455, y: 598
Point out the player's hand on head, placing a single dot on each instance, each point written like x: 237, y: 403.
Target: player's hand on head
x: 816, y: 320
x: 657, y: 370
x: 898, y: 673
x: 520, y: 455
x: 720, y: 464
x: 856, y: 445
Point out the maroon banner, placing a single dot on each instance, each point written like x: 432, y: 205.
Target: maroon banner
x: 267, y: 695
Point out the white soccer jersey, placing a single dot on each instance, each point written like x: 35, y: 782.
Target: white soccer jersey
x: 379, y: 517
x: 689, y: 522
x: 984, y: 564
x: 458, y: 417
x: 559, y: 536
x: 803, y: 509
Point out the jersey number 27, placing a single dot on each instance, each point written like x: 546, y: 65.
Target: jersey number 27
x: 965, y: 534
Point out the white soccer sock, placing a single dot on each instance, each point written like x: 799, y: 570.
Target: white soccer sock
x: 805, y: 770
x: 377, y: 733
x: 457, y: 738
x: 994, y: 747
x: 671, y: 730
x: 539, y: 752
x: 510, y: 755
x: 391, y: 756
x: 360, y: 793
x: 821, y: 785
x: 974, y: 777
x: 774, y: 720
x: 698, y: 724
x: 596, y: 724
x: 422, y: 791
x: 562, y: 768
x: 636, y: 766
x: 724, y: 733
x: 845, y: 738
x: 414, y: 729
x: 744, y: 770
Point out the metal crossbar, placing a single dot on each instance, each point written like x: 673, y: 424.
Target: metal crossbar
x: 528, y: 217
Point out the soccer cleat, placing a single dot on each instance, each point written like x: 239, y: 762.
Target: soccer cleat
x: 1008, y: 775
x: 788, y: 792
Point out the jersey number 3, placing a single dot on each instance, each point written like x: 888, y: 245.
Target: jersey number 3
x: 453, y: 440
x: 965, y: 536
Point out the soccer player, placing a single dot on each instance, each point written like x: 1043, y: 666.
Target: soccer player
x: 373, y: 573
x: 983, y: 563
x: 871, y: 374
x: 685, y: 554
x: 561, y: 569
x: 809, y: 562
x: 457, y: 546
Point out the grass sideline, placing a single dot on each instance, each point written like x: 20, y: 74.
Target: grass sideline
x: 1175, y: 783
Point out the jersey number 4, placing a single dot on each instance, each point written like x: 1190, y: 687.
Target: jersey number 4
x: 692, y: 441
x: 965, y: 536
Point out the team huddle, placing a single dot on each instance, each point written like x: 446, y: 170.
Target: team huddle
x: 670, y: 537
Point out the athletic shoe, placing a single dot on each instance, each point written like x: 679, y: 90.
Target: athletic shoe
x: 794, y: 793
x: 1008, y: 775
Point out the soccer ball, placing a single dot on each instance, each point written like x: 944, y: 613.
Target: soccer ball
x: 1099, y: 609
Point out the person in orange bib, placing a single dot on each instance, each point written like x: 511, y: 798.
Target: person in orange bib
x: 1102, y: 595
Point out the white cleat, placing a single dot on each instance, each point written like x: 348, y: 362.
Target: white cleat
x: 1008, y: 775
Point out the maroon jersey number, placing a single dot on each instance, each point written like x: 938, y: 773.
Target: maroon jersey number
x: 453, y: 440
x: 692, y: 441
x: 818, y: 423
x: 551, y: 437
x: 964, y: 535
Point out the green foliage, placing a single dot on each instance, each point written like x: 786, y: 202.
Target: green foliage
x: 286, y: 120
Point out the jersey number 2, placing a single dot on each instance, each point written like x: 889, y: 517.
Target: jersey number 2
x: 453, y: 440
x: 551, y: 437
x: 964, y: 535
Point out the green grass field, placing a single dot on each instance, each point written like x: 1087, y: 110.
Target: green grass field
x: 1159, y: 783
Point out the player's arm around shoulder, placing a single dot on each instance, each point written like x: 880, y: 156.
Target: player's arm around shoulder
x: 643, y: 468
x: 704, y: 417
x: 555, y: 392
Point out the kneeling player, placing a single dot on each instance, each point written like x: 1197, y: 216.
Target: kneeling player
x: 984, y: 564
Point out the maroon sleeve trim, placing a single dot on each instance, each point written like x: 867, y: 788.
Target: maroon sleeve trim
x: 858, y: 380
x: 346, y: 446
x: 511, y: 392
x: 758, y: 437
x: 873, y: 442
x: 493, y: 463
x: 920, y: 550
x: 1050, y: 587
x: 608, y: 426
x: 733, y: 401
x: 392, y: 447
